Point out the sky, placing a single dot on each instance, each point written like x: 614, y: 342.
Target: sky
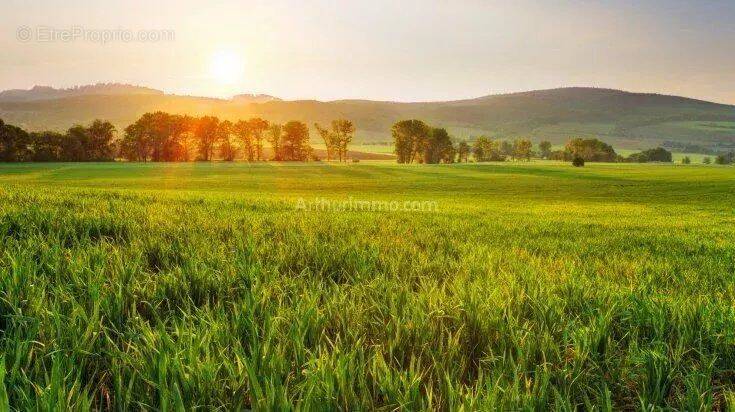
x: 399, y: 50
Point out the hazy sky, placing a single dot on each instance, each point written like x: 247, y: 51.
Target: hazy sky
x: 388, y: 50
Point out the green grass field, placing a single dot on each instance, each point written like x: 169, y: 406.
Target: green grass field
x: 525, y: 286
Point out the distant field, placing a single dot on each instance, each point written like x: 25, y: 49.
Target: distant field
x: 519, y: 286
x: 362, y: 148
x: 374, y: 148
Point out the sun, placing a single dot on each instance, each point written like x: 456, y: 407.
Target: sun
x: 226, y: 67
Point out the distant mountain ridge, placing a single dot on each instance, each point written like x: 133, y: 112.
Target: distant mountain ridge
x: 254, y: 98
x: 47, y: 92
x: 624, y: 119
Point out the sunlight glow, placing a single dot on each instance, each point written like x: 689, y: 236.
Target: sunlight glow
x: 226, y: 67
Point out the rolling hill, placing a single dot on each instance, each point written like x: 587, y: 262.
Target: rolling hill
x: 626, y: 120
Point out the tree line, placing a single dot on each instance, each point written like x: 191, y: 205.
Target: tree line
x: 80, y: 143
x: 416, y: 142
x: 165, y: 137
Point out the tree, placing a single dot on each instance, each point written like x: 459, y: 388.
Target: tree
x: 257, y: 128
x: 14, y: 143
x: 227, y: 148
x: 505, y: 149
x: 463, y: 151
x: 658, y: 154
x: 439, y: 148
x: 274, y: 138
x: 725, y: 158
x: 344, y: 131
x: 591, y: 150
x: 100, y: 142
x: 155, y: 128
x: 244, y: 133
x: 450, y: 155
x: 410, y: 138
x: 76, y: 143
x: 295, y: 141
x: 686, y: 160
x: 330, y: 140
x: 136, y: 143
x: 337, y: 138
x: 544, y: 149
x: 487, y: 150
x: 47, y: 146
x: 479, y: 147
x: 187, y: 140
x: 174, y: 135
x: 522, y: 149
x: 208, y: 133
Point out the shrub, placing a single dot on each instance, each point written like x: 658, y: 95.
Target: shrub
x: 686, y: 160
x: 706, y: 160
x: 578, y: 161
x: 725, y: 158
x: 658, y: 154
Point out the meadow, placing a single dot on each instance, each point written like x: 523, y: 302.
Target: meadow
x: 530, y: 286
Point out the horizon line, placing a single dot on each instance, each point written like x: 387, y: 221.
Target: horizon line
x: 363, y: 99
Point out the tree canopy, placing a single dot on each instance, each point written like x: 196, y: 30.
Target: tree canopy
x: 294, y: 143
x: 591, y: 150
x: 79, y: 144
x: 658, y: 154
x: 415, y: 141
